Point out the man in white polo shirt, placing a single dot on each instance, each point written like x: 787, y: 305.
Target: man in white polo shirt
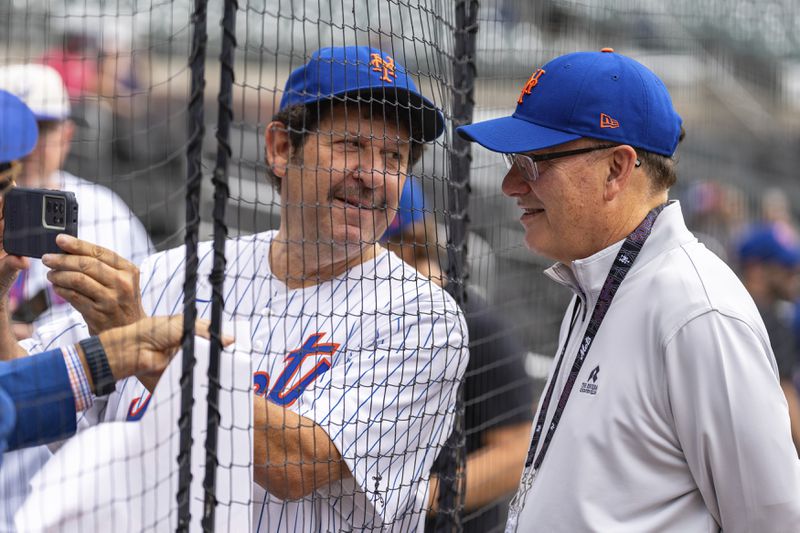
x: 663, y: 411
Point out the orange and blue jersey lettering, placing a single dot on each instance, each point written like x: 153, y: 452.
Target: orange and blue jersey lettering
x: 281, y: 393
x: 137, y: 407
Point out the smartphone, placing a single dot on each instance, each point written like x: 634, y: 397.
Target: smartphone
x: 33, y: 218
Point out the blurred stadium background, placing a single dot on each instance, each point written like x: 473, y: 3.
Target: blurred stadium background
x: 732, y: 66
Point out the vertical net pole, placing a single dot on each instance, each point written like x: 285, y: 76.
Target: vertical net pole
x: 194, y: 179
x: 451, y: 486
x: 217, y: 277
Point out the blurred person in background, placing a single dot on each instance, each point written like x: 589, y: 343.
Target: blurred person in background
x: 75, y: 60
x: 716, y: 213
x: 497, y: 393
x: 769, y: 262
x: 40, y: 395
x: 103, y: 218
x: 119, y: 74
x: 776, y: 209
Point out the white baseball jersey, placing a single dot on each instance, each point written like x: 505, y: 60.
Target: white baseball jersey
x: 104, y: 219
x: 373, y: 356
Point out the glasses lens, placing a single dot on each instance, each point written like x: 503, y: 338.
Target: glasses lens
x: 524, y: 164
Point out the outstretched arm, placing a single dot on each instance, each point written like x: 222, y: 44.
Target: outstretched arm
x: 46, y: 389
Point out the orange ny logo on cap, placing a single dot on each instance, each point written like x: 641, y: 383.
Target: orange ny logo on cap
x: 384, y: 66
x: 530, y: 84
x: 608, y: 122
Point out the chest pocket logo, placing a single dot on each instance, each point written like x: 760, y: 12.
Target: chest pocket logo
x: 590, y: 385
x: 284, y: 394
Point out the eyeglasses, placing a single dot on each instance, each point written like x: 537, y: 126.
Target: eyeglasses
x: 528, y: 164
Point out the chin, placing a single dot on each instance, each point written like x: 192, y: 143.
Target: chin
x: 352, y: 237
x: 539, y: 248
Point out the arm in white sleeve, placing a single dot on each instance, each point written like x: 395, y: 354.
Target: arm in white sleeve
x: 732, y: 422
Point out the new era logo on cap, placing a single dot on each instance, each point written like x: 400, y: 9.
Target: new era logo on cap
x: 608, y: 122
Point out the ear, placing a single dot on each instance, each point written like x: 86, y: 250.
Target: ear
x: 620, y: 171
x: 68, y: 132
x: 277, y: 148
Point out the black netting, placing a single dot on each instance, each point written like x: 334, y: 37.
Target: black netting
x: 347, y: 400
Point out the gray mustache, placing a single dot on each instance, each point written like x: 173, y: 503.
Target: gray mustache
x: 362, y: 195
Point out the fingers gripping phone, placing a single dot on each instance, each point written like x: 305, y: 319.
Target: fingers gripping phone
x: 33, y: 218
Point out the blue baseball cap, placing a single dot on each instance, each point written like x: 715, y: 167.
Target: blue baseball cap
x: 410, y: 209
x: 603, y: 95
x: 18, y: 130
x: 770, y: 243
x: 365, y: 73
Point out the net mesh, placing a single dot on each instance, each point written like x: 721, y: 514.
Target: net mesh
x: 368, y: 369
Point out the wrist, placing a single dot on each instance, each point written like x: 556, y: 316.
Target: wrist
x: 79, y: 378
x: 9, y: 346
x: 85, y: 366
x: 96, y: 360
x: 111, y: 344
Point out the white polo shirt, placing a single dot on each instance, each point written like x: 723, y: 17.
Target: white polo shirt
x: 676, y: 421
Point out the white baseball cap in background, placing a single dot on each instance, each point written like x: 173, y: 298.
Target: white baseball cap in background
x: 40, y: 87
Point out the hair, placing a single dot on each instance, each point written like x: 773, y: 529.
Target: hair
x: 48, y: 125
x: 302, y: 120
x: 660, y: 168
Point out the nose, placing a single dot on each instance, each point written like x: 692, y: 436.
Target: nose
x: 514, y: 185
x: 371, y: 176
x: 373, y: 171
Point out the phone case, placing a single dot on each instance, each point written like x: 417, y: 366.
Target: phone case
x: 33, y: 217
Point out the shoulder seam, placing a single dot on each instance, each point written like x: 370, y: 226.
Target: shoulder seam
x: 701, y: 312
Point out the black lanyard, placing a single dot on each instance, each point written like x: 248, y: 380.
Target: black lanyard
x: 619, y: 269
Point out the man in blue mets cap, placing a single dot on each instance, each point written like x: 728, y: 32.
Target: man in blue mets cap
x: 357, y: 358
x: 365, y: 117
x: 663, y: 410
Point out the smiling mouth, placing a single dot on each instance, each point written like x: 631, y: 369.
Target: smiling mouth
x: 359, y: 204
x: 531, y: 211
